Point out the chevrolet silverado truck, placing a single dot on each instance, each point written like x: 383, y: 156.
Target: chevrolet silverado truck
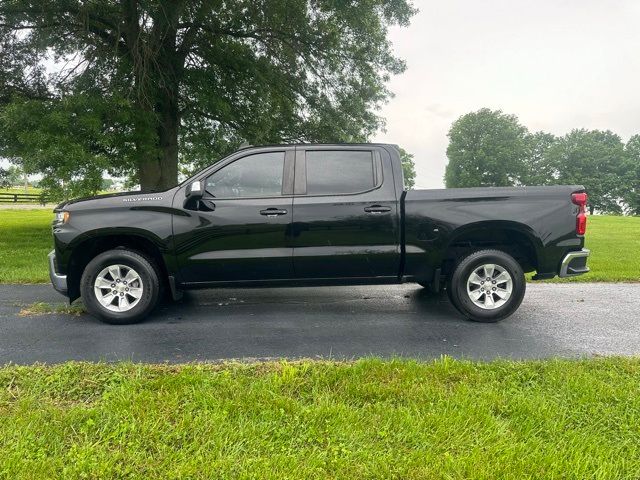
x: 295, y: 215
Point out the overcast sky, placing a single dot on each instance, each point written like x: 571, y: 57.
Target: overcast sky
x: 556, y: 64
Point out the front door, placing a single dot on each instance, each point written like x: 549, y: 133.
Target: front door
x: 345, y: 220
x: 240, y: 229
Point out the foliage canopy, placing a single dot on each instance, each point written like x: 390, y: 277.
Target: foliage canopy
x: 486, y: 148
x: 143, y: 86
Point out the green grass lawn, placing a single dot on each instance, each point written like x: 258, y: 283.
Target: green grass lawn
x: 314, y: 420
x: 30, y: 189
x: 615, y: 250
x: 615, y: 243
x: 25, y: 241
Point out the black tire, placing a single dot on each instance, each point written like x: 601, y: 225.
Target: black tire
x: 149, y: 276
x: 457, y: 286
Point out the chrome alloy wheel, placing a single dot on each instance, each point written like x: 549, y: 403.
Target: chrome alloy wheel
x: 118, y: 288
x: 489, y: 286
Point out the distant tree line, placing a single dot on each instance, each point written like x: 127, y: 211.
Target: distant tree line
x: 11, y: 176
x: 489, y: 148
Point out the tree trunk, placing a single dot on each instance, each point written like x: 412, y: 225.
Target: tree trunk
x: 159, y: 171
x: 591, y: 208
x: 158, y: 67
x: 161, y: 86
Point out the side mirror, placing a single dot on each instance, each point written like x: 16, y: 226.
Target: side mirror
x: 194, y: 192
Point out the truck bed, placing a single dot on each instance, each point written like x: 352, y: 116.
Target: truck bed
x: 438, y: 221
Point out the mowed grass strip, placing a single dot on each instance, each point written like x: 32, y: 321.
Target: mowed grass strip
x: 315, y: 420
x: 30, y: 190
x: 614, y: 242
x: 25, y: 241
x: 615, y: 249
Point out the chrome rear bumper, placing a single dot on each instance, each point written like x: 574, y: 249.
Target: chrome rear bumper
x: 58, y: 281
x: 574, y: 263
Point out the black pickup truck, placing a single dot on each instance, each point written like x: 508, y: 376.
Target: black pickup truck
x: 292, y: 215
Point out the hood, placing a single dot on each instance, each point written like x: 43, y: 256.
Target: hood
x: 134, y: 196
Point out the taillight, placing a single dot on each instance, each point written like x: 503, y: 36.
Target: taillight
x: 580, y: 199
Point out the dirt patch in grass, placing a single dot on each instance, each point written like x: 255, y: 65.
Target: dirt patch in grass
x: 44, y: 308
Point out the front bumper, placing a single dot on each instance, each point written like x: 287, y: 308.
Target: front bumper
x: 574, y: 263
x: 58, y: 281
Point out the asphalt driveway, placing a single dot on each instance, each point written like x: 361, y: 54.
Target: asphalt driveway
x: 555, y: 320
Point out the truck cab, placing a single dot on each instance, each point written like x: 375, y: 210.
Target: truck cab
x: 277, y: 214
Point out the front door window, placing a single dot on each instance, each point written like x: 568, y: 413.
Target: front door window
x: 258, y: 175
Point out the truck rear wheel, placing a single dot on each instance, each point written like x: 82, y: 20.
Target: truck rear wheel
x: 487, y: 286
x: 120, y: 287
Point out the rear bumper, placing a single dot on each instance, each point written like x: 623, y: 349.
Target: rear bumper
x: 574, y: 263
x: 58, y: 281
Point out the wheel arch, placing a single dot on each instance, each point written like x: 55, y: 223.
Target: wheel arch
x: 517, y: 239
x: 95, y: 243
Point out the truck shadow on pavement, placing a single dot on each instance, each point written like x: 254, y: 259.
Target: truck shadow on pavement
x: 313, y: 302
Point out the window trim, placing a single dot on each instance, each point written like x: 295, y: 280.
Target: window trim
x: 300, y: 183
x: 287, y: 175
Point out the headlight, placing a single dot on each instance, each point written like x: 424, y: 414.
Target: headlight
x: 62, y: 217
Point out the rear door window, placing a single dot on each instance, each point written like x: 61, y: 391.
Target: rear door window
x: 332, y: 172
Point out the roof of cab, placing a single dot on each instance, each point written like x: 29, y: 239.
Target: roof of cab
x: 345, y: 144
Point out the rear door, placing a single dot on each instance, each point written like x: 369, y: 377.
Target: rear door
x: 345, y: 221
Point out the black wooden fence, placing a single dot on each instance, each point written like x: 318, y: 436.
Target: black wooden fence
x: 23, y: 198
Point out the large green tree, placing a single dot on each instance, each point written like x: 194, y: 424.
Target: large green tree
x: 486, y: 149
x: 595, y: 159
x: 141, y: 86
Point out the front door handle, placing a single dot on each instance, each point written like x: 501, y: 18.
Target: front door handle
x: 377, y: 209
x: 273, y: 212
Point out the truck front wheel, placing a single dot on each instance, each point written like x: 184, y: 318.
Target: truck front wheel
x: 120, y: 287
x: 487, y: 286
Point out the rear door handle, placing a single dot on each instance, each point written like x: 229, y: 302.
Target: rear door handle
x: 273, y: 212
x: 377, y: 209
